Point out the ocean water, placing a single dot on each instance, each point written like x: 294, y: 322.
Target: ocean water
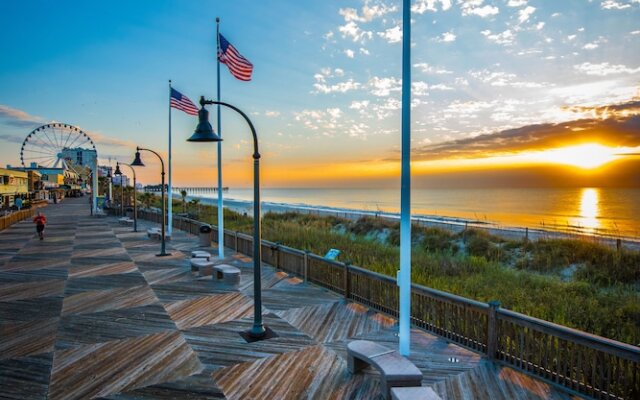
x: 602, y: 211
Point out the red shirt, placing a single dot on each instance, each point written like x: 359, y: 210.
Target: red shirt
x: 40, y: 219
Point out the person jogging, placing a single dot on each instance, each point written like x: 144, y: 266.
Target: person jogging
x: 40, y: 220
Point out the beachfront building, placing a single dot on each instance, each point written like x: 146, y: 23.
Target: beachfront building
x: 79, y: 156
x: 58, y: 181
x: 13, y: 184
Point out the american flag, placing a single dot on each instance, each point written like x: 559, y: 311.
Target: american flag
x: 182, y: 102
x: 239, y: 66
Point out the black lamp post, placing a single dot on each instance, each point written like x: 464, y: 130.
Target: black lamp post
x: 204, y: 133
x: 135, y: 201
x: 137, y: 162
x: 119, y: 173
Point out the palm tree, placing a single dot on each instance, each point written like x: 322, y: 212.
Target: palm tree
x: 196, y: 203
x: 146, y: 198
x: 183, y: 193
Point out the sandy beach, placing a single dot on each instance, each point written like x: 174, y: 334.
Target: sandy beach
x: 450, y: 223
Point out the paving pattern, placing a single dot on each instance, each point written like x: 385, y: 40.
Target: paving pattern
x: 91, y: 312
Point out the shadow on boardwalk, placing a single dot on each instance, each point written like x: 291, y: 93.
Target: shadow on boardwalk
x: 91, y: 312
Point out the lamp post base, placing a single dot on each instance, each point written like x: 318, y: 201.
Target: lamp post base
x: 255, y: 334
x: 163, y: 254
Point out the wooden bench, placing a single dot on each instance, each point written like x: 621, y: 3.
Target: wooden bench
x: 201, y: 254
x: 227, y: 274
x: 395, y: 370
x: 202, y: 266
x: 414, y: 393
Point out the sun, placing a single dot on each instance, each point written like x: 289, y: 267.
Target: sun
x: 587, y: 156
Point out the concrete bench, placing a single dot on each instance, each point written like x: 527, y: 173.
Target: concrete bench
x: 201, y: 254
x: 414, y: 393
x: 153, y: 233
x: 395, y: 370
x: 125, y: 221
x: 227, y: 274
x: 202, y: 266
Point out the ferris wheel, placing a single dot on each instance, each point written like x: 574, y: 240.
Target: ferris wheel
x: 49, y: 145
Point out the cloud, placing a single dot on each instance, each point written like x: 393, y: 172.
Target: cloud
x: 359, y: 105
x: 604, y: 69
x: 326, y: 120
x: 475, y: 7
x: 505, y: 38
x: 446, y: 37
x: 353, y: 31
x: 419, y: 88
x: 392, y: 35
x: 364, y: 51
x: 367, y: 13
x: 349, y: 53
x: 615, y: 5
x: 321, y: 85
x: 595, y: 44
x: 272, y: 114
x: 11, y: 138
x: 384, y: 86
x: 613, y: 131
x: 340, y: 87
x: 422, y: 6
x: 500, y: 79
x: 430, y: 69
x: 516, y: 3
x: 18, y: 118
x: 100, y: 138
x: 525, y: 14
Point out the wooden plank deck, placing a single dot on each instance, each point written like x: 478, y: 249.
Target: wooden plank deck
x: 90, y: 312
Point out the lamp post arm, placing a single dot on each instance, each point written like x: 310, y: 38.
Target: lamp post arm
x: 158, y: 155
x: 256, y: 153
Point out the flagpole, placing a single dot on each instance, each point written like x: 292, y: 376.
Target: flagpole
x: 169, y: 191
x: 220, y: 205
x: 404, y: 277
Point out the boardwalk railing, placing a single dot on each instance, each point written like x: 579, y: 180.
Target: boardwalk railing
x: 16, y: 216
x: 585, y: 363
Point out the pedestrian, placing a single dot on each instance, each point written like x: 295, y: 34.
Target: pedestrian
x: 18, y: 203
x: 40, y: 220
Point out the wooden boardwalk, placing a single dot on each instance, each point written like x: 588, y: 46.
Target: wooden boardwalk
x: 90, y: 312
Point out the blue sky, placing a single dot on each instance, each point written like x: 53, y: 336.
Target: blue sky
x: 325, y: 90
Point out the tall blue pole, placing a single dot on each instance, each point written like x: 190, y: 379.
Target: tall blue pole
x: 405, y: 191
x: 220, y: 205
x: 170, y: 187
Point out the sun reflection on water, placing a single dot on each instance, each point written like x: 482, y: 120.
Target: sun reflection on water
x: 589, y: 209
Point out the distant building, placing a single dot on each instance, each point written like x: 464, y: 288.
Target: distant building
x: 105, y: 170
x: 117, y: 179
x: 79, y: 156
x: 13, y: 184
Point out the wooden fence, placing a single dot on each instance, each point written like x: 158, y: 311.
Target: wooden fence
x: 16, y: 216
x: 587, y: 364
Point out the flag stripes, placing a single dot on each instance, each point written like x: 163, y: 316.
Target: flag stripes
x: 240, y: 67
x: 182, y: 103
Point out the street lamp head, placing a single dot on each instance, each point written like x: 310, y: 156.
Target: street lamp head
x: 204, y: 131
x: 117, y: 171
x: 137, y: 162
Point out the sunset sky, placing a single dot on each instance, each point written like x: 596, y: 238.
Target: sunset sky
x: 508, y: 92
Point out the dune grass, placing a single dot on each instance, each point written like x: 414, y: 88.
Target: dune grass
x: 601, y: 295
